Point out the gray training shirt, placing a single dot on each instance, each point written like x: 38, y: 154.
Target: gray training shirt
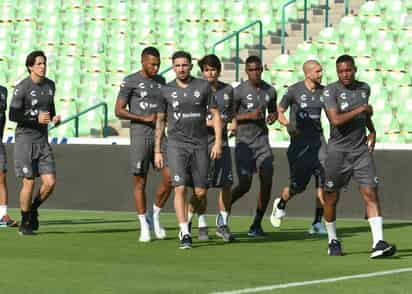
x: 304, y: 114
x: 351, y: 135
x: 28, y: 100
x: 3, y: 106
x: 247, y: 99
x: 224, y: 100
x: 142, y: 95
x: 186, y: 112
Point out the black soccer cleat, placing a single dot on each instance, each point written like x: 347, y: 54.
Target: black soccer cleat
x: 186, y: 242
x: 25, y: 229
x: 335, y: 248
x: 256, y: 231
x: 383, y: 249
x: 34, y: 219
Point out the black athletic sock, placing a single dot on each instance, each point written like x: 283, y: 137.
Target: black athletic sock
x: 282, y: 203
x: 25, y: 217
x: 36, y: 202
x: 318, y: 215
x: 258, y: 218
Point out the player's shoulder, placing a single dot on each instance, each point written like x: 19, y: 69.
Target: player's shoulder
x: 362, y: 85
x: 130, y: 78
x: 24, y: 83
x: 295, y: 87
x: 266, y: 86
x: 159, y: 79
x: 332, y: 86
x: 196, y: 82
x: 225, y: 86
x: 49, y: 82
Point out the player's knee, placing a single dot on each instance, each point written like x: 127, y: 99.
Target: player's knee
x: 28, y: 184
x: 49, y: 184
x: 369, y: 195
x: 200, y: 193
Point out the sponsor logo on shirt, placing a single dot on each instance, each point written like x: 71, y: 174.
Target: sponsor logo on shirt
x: 225, y: 97
x: 196, y: 94
x: 249, y: 97
x: 192, y: 115
x: 326, y: 93
x: 143, y: 105
x: 33, y: 93
x: 174, y: 95
x: 143, y: 94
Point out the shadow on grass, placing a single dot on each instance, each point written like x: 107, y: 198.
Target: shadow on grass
x: 84, y: 221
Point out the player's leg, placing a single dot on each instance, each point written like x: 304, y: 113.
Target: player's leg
x: 26, y: 193
x: 222, y: 219
x: 245, y: 166
x: 139, y: 187
x: 365, y: 176
x: 5, y: 220
x: 317, y: 226
x: 198, y: 205
x: 162, y: 194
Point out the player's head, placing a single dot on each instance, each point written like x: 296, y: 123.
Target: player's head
x: 211, y: 67
x: 254, y: 69
x: 346, y: 69
x: 182, y: 64
x: 150, y: 59
x: 36, y: 63
x: 313, y: 71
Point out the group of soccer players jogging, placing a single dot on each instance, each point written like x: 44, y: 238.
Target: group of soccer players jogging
x: 182, y: 128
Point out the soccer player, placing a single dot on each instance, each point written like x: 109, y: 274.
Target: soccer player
x: 187, y: 101
x: 32, y: 107
x: 349, y: 154
x: 253, y: 153
x: 5, y: 220
x: 137, y: 101
x: 307, y: 151
x: 220, y: 170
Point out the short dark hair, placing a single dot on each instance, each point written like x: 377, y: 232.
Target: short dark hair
x: 345, y: 58
x: 150, y: 51
x: 182, y: 54
x: 211, y: 60
x: 31, y: 58
x: 253, y: 59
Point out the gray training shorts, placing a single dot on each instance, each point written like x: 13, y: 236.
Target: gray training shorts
x: 220, y: 170
x: 341, y: 166
x: 141, y: 155
x: 33, y: 159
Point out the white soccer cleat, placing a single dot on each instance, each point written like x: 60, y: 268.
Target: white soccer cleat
x: 277, y: 214
x: 144, y: 235
x: 317, y: 228
x: 159, y: 231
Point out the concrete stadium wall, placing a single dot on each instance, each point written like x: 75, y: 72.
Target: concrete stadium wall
x: 96, y: 177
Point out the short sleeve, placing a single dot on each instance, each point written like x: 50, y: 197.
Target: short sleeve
x: 287, y: 99
x: 329, y: 98
x: 272, y: 101
x: 126, y: 90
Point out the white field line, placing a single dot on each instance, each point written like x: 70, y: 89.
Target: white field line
x: 305, y: 283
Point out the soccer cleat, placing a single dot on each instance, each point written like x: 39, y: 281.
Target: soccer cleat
x: 277, y: 214
x: 159, y: 231
x: 256, y: 231
x: 144, y: 235
x: 34, y: 219
x: 383, y: 249
x: 334, y: 248
x: 25, y: 229
x: 317, y: 228
x: 203, y: 234
x: 185, y: 242
x: 224, y: 233
x: 7, y: 222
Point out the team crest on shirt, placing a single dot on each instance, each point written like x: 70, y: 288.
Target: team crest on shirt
x: 376, y: 180
x: 174, y: 94
x: 33, y: 93
x: 141, y: 86
x: 34, y: 102
x: 25, y: 169
x: 225, y: 96
x: 249, y: 97
x: 143, y: 105
x: 329, y: 184
x: 303, y: 97
x: 343, y: 96
x: 326, y: 93
x: 196, y: 94
x: 267, y: 98
x: 176, y: 178
x: 363, y: 95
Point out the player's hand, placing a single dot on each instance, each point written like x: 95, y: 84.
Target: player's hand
x: 368, y: 109
x: 216, y: 151
x: 44, y: 117
x: 56, y: 120
x: 292, y: 130
x: 272, y: 117
x: 158, y: 159
x: 151, y: 118
x: 371, y: 141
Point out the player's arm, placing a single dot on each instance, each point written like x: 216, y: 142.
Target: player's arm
x: 18, y: 114
x: 159, y: 131
x: 231, y: 113
x: 3, y: 107
x: 272, y: 111
x: 54, y: 117
x: 217, y: 126
x: 371, y: 139
x: 122, y: 113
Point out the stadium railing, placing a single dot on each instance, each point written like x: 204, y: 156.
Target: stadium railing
x: 83, y: 112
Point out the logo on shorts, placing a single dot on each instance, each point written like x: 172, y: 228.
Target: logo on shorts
x: 196, y: 94
x: 376, y: 180
x: 25, y: 169
x: 249, y: 97
x: 141, y: 85
x: 33, y: 93
x: 176, y: 178
x: 330, y: 184
x: 174, y: 95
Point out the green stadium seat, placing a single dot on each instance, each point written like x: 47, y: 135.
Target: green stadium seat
x: 283, y: 62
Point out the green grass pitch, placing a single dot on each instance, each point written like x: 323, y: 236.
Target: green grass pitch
x: 98, y: 252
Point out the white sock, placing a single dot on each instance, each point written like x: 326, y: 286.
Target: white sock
x: 156, y: 212
x: 331, y: 228
x: 3, y: 210
x: 143, y: 223
x: 202, y: 221
x: 189, y: 216
x: 184, y: 228
x: 376, y: 224
x: 225, y: 216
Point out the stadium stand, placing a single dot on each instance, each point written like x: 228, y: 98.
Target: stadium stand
x: 93, y: 44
